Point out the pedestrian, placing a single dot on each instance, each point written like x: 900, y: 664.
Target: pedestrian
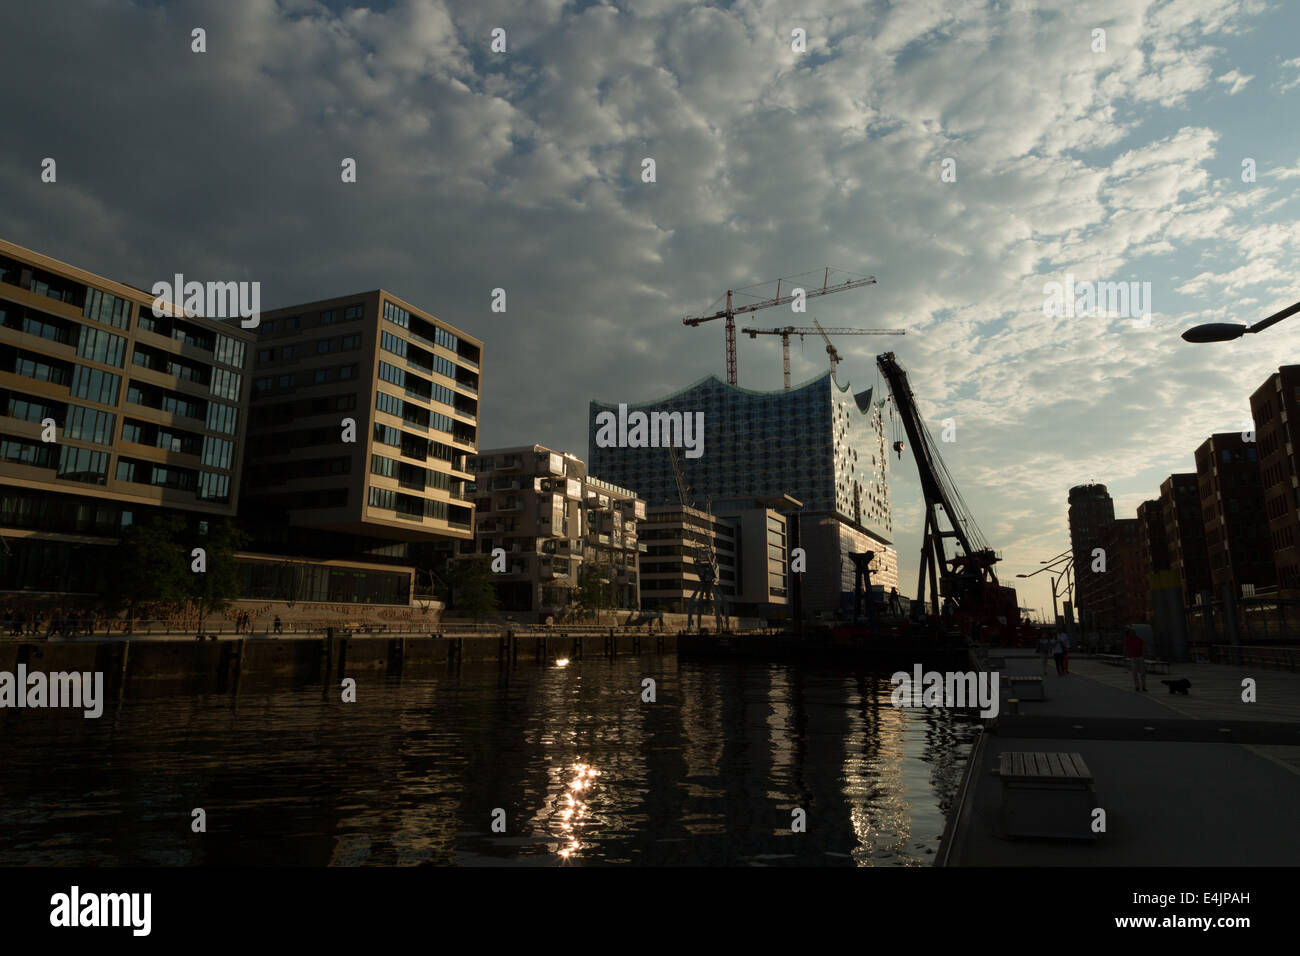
x: 1060, y: 651
x: 277, y: 624
x: 1135, y: 651
x: 895, y: 603
x: 1044, y: 650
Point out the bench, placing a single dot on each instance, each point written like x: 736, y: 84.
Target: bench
x: 1047, y: 795
x: 1025, y: 686
x: 1116, y: 659
x: 1157, y: 666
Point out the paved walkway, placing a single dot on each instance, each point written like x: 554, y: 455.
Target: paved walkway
x: 1185, y: 781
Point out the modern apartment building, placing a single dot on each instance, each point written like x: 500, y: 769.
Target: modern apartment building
x: 1180, y: 504
x: 1274, y: 405
x: 1232, y: 511
x: 364, y: 411
x: 1134, y: 586
x: 559, y: 527
x: 148, y: 416
x: 818, y: 443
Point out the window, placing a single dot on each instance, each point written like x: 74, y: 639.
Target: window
x: 263, y: 355
x: 95, y: 385
x: 30, y: 365
x: 380, y: 465
x: 270, y: 326
x: 125, y: 470
x: 391, y: 343
x: 89, y: 424
x: 291, y: 323
x: 388, y: 403
x: 347, y: 371
x: 392, y: 374
x: 387, y: 436
x: 30, y: 409
x: 35, y: 454
x: 324, y: 345
x: 103, y: 307
x: 397, y: 316
x: 329, y: 317
x: 263, y: 384
x: 351, y: 342
x: 288, y: 351
x: 321, y: 376
x: 229, y: 351
x: 217, y: 452
x: 383, y: 498
x: 82, y: 464
x: 222, y: 418
x: 353, y: 312
x: 214, y: 487
x: 225, y: 383
x: 286, y: 381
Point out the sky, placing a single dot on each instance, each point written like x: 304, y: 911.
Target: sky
x: 966, y: 154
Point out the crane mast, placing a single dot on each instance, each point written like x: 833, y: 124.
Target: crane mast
x: 705, y: 559
x: 801, y: 331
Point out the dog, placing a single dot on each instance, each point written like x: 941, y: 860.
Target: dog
x: 1178, y: 686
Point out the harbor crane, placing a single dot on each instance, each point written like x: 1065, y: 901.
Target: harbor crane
x: 966, y: 581
x: 801, y: 331
x: 704, y: 559
x: 732, y: 310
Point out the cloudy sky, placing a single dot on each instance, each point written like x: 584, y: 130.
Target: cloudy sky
x: 523, y: 170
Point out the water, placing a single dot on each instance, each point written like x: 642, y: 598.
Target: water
x: 412, y: 773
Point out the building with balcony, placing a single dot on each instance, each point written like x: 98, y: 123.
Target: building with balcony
x: 1274, y: 405
x: 1153, y: 548
x: 1092, y: 527
x: 1180, y: 504
x: 364, y: 411
x: 559, y: 527
x: 672, y: 538
x: 818, y: 443
x: 148, y: 415
x: 1232, y: 512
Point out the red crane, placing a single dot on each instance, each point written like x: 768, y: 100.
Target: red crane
x: 731, y: 311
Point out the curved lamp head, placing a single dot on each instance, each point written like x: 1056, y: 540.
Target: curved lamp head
x: 1215, y: 332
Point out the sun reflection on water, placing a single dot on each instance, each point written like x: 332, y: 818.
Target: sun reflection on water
x: 574, y: 815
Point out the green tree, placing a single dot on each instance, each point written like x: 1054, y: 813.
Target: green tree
x: 595, y: 590
x: 213, y: 589
x: 468, y: 586
x: 148, y: 565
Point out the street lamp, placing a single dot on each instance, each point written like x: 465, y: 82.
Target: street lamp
x: 1227, y: 331
x: 1057, y: 574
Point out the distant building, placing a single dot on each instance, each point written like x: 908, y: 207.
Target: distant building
x: 1092, y: 521
x: 1134, y: 584
x: 670, y: 575
x: 1275, y: 404
x: 1232, y: 511
x: 1153, y: 547
x: 556, y: 524
x: 1180, y: 504
x: 148, y: 416
x: 818, y: 443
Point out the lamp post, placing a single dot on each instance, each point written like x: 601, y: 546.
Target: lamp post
x: 1227, y: 331
x: 1057, y: 574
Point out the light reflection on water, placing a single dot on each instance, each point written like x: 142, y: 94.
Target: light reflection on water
x: 414, y: 771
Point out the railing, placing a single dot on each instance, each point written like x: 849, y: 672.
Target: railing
x: 1256, y: 655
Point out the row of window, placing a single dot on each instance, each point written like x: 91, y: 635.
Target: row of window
x: 73, y: 464
x: 106, y: 308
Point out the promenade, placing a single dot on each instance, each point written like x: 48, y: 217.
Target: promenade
x: 1201, y: 780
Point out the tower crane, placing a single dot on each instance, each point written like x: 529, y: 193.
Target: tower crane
x: 731, y: 310
x: 703, y: 557
x: 801, y: 331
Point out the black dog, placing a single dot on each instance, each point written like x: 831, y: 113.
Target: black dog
x: 1177, y: 686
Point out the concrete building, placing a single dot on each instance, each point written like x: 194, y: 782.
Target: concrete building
x: 1092, y: 521
x: 1134, y: 585
x: 556, y: 524
x: 1274, y: 405
x: 818, y: 443
x: 1232, y: 511
x: 670, y: 536
x: 364, y: 410
x: 1180, y: 504
x: 148, y: 417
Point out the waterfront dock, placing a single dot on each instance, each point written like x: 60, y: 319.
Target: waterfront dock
x: 1198, y: 780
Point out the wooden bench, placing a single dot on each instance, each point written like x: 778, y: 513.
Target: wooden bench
x: 1025, y: 686
x: 1117, y: 659
x: 1047, y: 795
x: 1156, y: 666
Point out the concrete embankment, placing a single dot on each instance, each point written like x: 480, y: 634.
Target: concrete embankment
x: 144, y: 665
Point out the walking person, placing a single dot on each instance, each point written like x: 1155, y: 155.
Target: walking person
x: 1060, y: 651
x: 1044, y: 650
x: 895, y: 603
x: 277, y: 624
x: 1135, y: 651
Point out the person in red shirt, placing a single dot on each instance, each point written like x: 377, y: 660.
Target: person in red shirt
x: 1136, y: 653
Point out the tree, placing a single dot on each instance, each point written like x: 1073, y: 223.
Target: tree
x: 469, y: 587
x: 148, y: 565
x: 215, y: 587
x: 595, y: 587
